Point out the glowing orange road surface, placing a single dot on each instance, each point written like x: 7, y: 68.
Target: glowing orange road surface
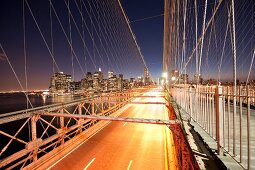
x: 122, y: 145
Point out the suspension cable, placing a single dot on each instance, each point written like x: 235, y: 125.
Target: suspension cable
x: 206, y: 28
x: 202, y: 40
x: 70, y: 39
x: 52, y: 42
x: 24, y: 49
x: 247, y: 80
x: 133, y: 35
x: 17, y: 78
x: 223, y: 50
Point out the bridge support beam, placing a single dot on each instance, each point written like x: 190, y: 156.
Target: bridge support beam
x: 219, y: 118
x: 80, y: 122
x: 182, y: 148
x: 191, y: 100
x: 62, y: 126
x: 93, y: 108
x: 34, y: 137
x: 102, y: 103
x: 122, y: 119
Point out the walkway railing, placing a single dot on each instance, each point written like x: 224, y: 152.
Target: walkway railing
x: 28, y: 135
x: 227, y: 118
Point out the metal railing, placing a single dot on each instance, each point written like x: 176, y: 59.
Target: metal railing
x: 227, y: 118
x: 28, y: 135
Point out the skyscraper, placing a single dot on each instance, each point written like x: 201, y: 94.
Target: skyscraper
x: 60, y: 83
x: 146, y: 76
x: 110, y: 74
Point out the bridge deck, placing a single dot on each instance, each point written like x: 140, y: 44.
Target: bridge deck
x: 122, y: 145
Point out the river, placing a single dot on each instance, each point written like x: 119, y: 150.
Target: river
x: 10, y: 102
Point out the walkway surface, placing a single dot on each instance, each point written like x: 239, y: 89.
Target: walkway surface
x: 123, y: 145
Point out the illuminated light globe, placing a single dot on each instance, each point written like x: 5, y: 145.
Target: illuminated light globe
x: 164, y: 74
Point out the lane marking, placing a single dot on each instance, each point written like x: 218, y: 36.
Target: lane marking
x: 89, y: 164
x: 121, y: 112
x: 129, y: 165
x: 75, y: 148
x: 124, y: 123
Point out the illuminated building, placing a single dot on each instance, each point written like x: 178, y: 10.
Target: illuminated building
x: 60, y: 83
x: 184, y: 78
x: 139, y: 81
x: 89, y: 81
x: 97, y: 80
x: 112, y: 83
x: 132, y: 82
x: 146, y: 76
x: 63, y: 83
x: 110, y: 74
x: 75, y: 86
x: 120, y: 82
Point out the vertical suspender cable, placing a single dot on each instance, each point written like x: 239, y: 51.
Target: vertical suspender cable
x: 25, y: 59
x: 196, y: 39
x: 52, y: 43
x: 184, y: 40
x: 83, y: 37
x: 178, y: 36
x: 234, y: 74
x: 24, y: 49
x: 166, y: 30
x: 202, y: 41
x: 70, y: 38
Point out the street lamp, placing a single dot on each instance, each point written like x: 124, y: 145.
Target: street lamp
x: 164, y: 74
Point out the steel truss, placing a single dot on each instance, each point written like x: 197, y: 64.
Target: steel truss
x: 43, y: 129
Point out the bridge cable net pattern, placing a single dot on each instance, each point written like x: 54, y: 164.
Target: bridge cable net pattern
x: 210, y: 43
x: 75, y: 37
x: 94, y: 34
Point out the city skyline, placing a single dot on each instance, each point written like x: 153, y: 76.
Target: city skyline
x: 62, y: 83
x: 54, y: 41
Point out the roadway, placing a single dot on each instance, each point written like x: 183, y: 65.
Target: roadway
x: 122, y: 145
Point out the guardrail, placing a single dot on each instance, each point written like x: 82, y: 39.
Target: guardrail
x: 30, y: 134
x: 224, y: 116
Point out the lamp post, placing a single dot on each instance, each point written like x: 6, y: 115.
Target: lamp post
x: 164, y: 75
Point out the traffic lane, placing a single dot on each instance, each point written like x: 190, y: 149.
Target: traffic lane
x: 156, y: 97
x: 69, y: 162
x: 132, y: 144
x: 116, y: 146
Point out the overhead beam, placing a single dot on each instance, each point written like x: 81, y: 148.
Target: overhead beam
x: 162, y: 96
x: 120, y: 119
x: 162, y: 103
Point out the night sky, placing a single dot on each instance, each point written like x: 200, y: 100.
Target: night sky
x: 149, y: 34
x: 113, y: 47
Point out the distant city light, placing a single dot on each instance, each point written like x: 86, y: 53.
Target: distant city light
x: 164, y: 74
x: 46, y: 93
x: 162, y: 82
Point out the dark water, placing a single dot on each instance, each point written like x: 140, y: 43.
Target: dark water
x: 10, y: 102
